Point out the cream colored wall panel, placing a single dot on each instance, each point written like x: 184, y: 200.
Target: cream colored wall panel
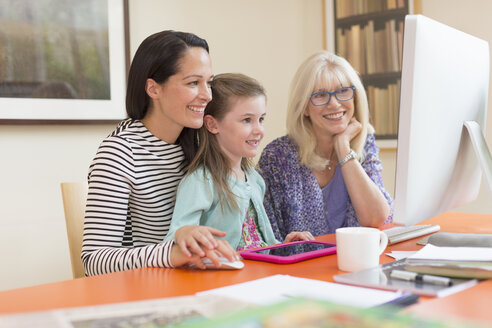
x: 264, y: 39
x: 34, y: 161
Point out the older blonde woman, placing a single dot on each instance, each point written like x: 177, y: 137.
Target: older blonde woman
x: 325, y: 173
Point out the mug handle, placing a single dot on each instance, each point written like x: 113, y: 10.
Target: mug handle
x: 383, y: 242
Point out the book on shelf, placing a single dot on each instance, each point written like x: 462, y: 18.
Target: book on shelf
x: 383, y: 107
x: 371, y: 50
x: 380, y: 49
x: 341, y: 43
x: 460, y: 262
x: 369, y: 34
x: 354, y: 56
x: 393, y: 45
x: 370, y: 53
x: 400, y: 43
x: 346, y: 8
x: 391, y: 4
x: 392, y: 108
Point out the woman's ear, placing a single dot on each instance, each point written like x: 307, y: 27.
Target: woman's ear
x: 211, y: 124
x: 152, y: 88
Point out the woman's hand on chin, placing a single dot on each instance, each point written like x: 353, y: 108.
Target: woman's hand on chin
x: 343, y: 139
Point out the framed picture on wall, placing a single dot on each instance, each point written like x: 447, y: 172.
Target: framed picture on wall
x: 63, y: 61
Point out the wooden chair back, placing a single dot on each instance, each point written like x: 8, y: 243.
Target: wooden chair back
x: 74, y: 196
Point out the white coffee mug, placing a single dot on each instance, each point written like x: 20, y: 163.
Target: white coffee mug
x: 359, y: 248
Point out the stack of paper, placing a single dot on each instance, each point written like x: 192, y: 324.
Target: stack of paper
x: 461, y: 262
x: 277, y: 288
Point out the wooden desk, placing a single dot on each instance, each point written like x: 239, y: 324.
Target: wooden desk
x: 149, y: 283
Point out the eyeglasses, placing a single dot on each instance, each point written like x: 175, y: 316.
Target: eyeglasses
x: 324, y: 97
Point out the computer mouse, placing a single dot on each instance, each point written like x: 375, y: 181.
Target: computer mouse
x: 225, y: 264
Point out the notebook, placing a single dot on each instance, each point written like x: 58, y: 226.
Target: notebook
x: 379, y: 277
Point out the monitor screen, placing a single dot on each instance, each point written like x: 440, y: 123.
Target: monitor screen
x: 445, y: 82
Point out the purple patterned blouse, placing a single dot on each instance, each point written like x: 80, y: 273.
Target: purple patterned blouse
x: 294, y: 200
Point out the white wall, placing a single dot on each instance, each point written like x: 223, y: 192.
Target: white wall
x: 34, y: 160
x: 264, y: 39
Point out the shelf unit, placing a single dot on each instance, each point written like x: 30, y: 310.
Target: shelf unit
x: 369, y: 34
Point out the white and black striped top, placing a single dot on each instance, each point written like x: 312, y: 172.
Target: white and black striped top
x: 132, y: 189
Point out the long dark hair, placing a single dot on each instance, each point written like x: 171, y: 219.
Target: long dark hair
x: 157, y: 58
x: 225, y: 89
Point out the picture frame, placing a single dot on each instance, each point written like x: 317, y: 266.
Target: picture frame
x: 105, y: 107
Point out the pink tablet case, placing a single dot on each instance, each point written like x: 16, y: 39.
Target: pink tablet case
x: 253, y: 255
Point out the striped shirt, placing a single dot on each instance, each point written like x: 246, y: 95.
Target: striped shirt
x: 132, y: 190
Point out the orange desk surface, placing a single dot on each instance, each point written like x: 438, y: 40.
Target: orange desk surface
x: 149, y: 283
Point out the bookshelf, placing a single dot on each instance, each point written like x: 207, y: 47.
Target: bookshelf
x: 369, y: 34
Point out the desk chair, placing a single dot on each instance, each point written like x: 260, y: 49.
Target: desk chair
x: 74, y: 196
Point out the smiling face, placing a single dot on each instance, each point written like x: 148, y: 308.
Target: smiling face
x: 240, y: 131
x: 334, y: 117
x: 181, y: 100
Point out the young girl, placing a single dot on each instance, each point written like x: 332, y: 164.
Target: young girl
x: 222, y: 190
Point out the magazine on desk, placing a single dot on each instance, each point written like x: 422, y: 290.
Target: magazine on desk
x: 379, y: 277
x: 315, y: 313
x: 164, y: 312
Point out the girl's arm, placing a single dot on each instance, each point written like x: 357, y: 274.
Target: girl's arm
x: 200, y: 240
x: 193, y: 199
x: 179, y: 258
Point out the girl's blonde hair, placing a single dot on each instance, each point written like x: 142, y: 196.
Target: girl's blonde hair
x: 323, y: 67
x: 226, y: 88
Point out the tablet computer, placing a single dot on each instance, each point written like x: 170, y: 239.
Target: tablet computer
x: 290, y: 252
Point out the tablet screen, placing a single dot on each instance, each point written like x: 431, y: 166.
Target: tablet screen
x: 288, y: 250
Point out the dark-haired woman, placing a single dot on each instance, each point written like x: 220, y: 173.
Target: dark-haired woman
x: 134, y: 176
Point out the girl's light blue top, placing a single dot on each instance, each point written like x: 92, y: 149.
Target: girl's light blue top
x: 197, y: 203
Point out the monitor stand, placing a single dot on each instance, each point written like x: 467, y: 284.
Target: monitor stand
x: 481, y: 150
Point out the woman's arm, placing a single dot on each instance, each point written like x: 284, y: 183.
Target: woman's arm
x: 103, y: 249
x: 373, y: 168
x: 369, y: 202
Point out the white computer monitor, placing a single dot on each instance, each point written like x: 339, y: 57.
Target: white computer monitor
x: 445, y: 82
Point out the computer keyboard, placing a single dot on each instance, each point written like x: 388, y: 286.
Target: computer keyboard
x: 399, y: 234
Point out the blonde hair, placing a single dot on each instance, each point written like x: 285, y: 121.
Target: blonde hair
x: 323, y: 66
x: 226, y: 88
